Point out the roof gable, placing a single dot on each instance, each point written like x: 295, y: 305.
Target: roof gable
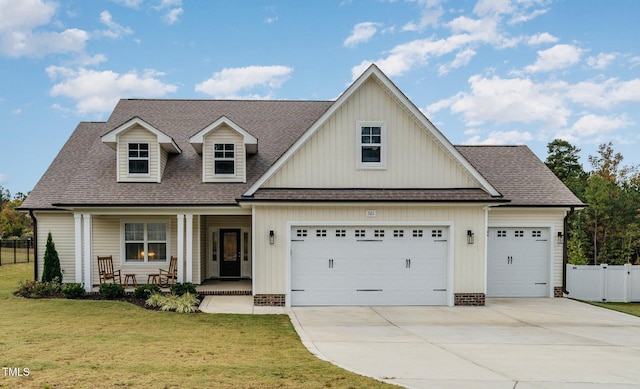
x: 374, y: 73
x: 250, y: 141
x: 165, y: 141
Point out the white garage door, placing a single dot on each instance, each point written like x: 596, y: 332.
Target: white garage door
x: 518, y: 262
x: 357, y: 265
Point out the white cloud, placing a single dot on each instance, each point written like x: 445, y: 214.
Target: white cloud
x: 135, y: 4
x: 558, y: 57
x: 361, y: 33
x: 115, y: 30
x: 542, y: 38
x: 595, y: 128
x: 22, y: 32
x: 605, y: 94
x: 429, y: 16
x: 602, y: 61
x: 98, y: 91
x: 173, y: 16
x: 512, y: 137
x: 230, y: 82
x: 3, y: 178
x: 462, y: 58
x: 173, y: 10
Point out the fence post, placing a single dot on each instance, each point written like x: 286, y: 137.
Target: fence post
x: 626, y: 282
x: 15, y: 251
x: 0, y: 251
x: 603, y: 282
x: 28, y: 249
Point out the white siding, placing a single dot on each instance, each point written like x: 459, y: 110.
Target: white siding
x: 553, y: 218
x: 138, y: 134
x: 271, y: 260
x: 61, y: 225
x: 415, y: 159
x: 223, y: 134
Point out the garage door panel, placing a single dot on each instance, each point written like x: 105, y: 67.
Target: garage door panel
x: 370, y: 266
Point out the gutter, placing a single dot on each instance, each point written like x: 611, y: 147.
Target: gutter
x: 565, y: 253
x: 35, y: 245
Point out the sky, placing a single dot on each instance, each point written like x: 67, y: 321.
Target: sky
x: 484, y: 72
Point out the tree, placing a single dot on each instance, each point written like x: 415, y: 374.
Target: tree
x: 12, y: 221
x: 564, y: 161
x: 51, y: 269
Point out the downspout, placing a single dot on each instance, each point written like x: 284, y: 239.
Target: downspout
x: 565, y: 253
x: 35, y: 245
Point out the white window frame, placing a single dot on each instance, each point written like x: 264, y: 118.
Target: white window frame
x: 145, y: 241
x: 224, y: 159
x: 147, y: 158
x: 360, y: 165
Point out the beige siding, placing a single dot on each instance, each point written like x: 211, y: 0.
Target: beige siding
x: 223, y: 134
x: 62, y: 228
x: 414, y: 157
x: 164, y: 156
x: 138, y: 134
x: 553, y: 218
x: 271, y: 260
x: 214, y: 224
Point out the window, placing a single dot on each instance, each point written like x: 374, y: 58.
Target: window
x: 224, y: 158
x: 341, y: 233
x: 417, y: 233
x: 360, y: 233
x: 138, y: 158
x: 398, y: 233
x: 145, y: 242
x: 371, y: 145
x: 321, y: 233
x: 378, y: 233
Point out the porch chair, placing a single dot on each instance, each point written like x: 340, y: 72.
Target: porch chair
x: 106, y: 272
x: 171, y: 275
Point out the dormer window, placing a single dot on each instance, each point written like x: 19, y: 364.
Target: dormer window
x: 372, y: 145
x: 224, y: 159
x: 138, y: 158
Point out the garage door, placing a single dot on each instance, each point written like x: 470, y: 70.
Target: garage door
x: 359, y: 265
x: 518, y: 262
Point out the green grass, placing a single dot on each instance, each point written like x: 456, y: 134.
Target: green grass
x: 95, y: 344
x: 8, y: 256
x: 629, y: 308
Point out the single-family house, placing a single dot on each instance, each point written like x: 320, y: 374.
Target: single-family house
x: 357, y: 201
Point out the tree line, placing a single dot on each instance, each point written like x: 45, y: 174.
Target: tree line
x: 13, y: 223
x: 608, y: 229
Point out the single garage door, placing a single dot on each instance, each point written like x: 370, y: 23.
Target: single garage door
x: 358, y: 265
x: 518, y: 262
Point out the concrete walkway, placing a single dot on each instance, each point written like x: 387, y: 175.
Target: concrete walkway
x: 510, y: 343
x: 237, y: 305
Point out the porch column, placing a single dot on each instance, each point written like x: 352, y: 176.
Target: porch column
x: 180, y: 247
x: 77, y: 218
x: 88, y: 281
x: 189, y: 248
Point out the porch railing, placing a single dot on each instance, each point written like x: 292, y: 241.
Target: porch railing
x: 15, y: 251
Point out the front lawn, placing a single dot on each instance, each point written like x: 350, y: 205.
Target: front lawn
x: 630, y: 308
x: 95, y: 344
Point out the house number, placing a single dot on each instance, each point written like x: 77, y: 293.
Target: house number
x: 371, y: 213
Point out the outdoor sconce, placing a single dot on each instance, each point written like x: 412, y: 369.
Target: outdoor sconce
x: 560, y: 237
x: 272, y: 237
x: 470, y: 236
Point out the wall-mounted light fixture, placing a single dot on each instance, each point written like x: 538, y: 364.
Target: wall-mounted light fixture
x: 560, y: 237
x: 470, y: 236
x: 272, y: 237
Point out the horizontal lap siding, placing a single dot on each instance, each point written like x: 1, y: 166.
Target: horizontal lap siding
x: 138, y: 135
x: 224, y: 134
x: 270, y: 262
x: 535, y: 218
x: 62, y: 228
x: 414, y: 158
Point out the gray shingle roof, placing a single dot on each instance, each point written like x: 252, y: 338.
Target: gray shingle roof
x: 84, y: 172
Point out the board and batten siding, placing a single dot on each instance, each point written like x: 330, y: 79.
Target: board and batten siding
x: 223, y: 134
x: 553, y: 218
x: 62, y: 228
x: 271, y: 260
x: 138, y: 134
x: 414, y: 158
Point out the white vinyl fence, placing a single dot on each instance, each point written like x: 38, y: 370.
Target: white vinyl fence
x: 604, y: 283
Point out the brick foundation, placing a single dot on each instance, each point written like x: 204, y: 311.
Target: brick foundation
x: 469, y: 299
x: 557, y: 291
x: 269, y: 300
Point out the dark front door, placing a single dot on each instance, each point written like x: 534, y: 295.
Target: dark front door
x: 230, y: 253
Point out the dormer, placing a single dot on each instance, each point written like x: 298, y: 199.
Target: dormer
x: 224, y: 147
x: 141, y: 151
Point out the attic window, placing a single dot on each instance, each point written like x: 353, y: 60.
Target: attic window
x: 372, y: 139
x: 138, y: 158
x: 224, y: 158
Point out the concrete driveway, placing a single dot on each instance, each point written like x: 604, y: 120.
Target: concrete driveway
x: 509, y: 343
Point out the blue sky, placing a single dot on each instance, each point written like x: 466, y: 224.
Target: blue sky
x: 484, y: 72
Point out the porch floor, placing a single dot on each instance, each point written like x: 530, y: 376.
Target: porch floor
x: 240, y: 287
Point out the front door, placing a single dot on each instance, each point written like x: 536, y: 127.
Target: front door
x: 230, y: 253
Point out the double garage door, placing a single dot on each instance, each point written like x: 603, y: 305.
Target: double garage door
x: 369, y: 265
x: 518, y: 262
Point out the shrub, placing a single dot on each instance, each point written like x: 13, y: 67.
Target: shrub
x: 111, y: 291
x: 180, y: 288
x: 37, y: 289
x: 73, y: 290
x: 187, y: 303
x: 51, y: 269
x: 145, y: 291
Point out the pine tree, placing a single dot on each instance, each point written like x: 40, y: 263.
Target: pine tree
x: 51, y: 269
